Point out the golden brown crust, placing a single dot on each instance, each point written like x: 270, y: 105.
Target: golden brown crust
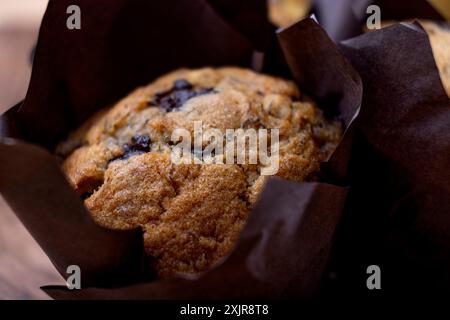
x: 191, y: 214
x: 284, y: 13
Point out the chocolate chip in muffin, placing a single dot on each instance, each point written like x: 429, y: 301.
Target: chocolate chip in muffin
x: 182, y: 84
x: 139, y: 144
x: 182, y: 90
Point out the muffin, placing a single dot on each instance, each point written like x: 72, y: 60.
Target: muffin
x: 283, y: 13
x: 120, y: 161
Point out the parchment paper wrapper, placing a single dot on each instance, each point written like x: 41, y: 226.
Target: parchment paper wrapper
x: 284, y: 248
x: 344, y: 19
x: 397, y: 214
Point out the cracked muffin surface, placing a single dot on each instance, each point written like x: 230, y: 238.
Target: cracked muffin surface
x: 191, y: 214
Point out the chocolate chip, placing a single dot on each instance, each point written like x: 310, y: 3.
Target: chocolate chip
x: 140, y: 144
x: 181, y: 84
x: 174, y: 98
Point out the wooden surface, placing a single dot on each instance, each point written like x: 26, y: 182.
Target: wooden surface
x: 23, y: 265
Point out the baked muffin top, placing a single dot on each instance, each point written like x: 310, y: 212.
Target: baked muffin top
x: 191, y: 214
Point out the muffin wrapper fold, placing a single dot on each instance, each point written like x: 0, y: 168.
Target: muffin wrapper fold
x: 397, y: 212
x: 284, y: 248
x: 344, y: 19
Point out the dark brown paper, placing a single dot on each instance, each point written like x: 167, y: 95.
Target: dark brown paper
x: 281, y: 253
x: 334, y: 87
x: 284, y: 248
x: 343, y: 19
x: 33, y: 186
x: 397, y: 214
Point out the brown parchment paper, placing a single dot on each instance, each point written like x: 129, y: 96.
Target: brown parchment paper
x: 343, y: 19
x: 284, y: 248
x: 397, y: 214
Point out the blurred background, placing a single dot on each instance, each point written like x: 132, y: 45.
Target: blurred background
x: 23, y: 265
